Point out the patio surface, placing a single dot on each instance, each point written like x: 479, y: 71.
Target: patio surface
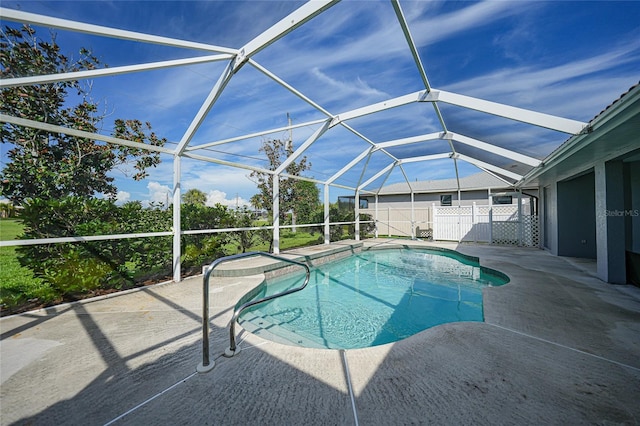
x: 558, y: 346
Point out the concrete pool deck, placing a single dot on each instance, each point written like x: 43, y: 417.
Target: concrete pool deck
x: 558, y: 346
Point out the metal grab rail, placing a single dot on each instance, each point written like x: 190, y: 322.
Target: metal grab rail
x: 206, y: 364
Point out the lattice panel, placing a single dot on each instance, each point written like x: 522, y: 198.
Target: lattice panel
x: 531, y: 231
x: 505, y: 213
x: 452, y: 210
x: 425, y: 234
x: 505, y: 233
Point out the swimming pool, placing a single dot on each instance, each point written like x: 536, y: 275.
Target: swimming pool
x: 371, y: 298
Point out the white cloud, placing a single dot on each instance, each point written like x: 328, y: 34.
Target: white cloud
x: 356, y: 87
x: 158, y: 193
x: 576, y: 89
x: 122, y: 197
x: 219, y: 197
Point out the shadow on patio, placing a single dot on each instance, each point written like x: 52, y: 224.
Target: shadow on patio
x: 556, y: 347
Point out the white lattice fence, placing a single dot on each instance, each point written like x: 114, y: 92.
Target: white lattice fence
x: 465, y: 223
x: 513, y: 232
x: 530, y: 231
x: 450, y: 223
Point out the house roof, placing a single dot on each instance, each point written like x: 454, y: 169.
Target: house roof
x: 611, y: 133
x: 480, y: 180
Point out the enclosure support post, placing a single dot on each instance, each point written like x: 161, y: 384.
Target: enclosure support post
x: 276, y: 214
x: 413, y: 218
x: 376, y: 218
x: 327, y: 234
x: 176, y: 218
x: 490, y: 215
x: 356, y: 213
x: 520, y: 218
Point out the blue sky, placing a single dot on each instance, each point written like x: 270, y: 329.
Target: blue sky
x: 570, y: 59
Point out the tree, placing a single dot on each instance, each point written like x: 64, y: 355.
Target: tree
x: 306, y: 200
x: 194, y: 196
x: 277, y: 151
x: 55, y: 165
x: 243, y: 218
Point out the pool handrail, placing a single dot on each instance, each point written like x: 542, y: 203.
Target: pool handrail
x: 206, y: 364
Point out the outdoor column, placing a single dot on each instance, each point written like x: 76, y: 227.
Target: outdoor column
x: 276, y: 214
x: 520, y: 229
x: 490, y: 216
x: 376, y: 218
x: 610, y: 236
x: 356, y: 212
x: 176, y: 218
x: 327, y: 219
x: 413, y: 219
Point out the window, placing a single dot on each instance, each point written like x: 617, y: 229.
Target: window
x: 445, y: 200
x: 349, y: 202
x: 502, y: 199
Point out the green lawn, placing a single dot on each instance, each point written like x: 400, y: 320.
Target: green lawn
x: 18, y: 287
x: 17, y: 284
x: 10, y: 229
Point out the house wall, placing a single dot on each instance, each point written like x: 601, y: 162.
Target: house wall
x: 576, y: 212
x: 549, y: 211
x: 632, y: 172
x: 467, y: 198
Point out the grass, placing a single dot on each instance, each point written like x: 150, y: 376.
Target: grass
x: 289, y: 240
x: 20, y: 289
x: 17, y: 284
x: 10, y: 229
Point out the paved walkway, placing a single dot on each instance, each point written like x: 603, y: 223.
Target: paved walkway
x: 558, y: 347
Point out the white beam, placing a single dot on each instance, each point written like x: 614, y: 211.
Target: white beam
x: 387, y: 177
x: 377, y: 175
x: 410, y: 140
x: 346, y: 168
x: 534, y: 162
x: 483, y: 165
x: 79, y: 75
x: 416, y: 56
x: 275, y: 206
x: 380, y: 106
x: 176, y: 219
x: 426, y: 158
x: 226, y: 163
x: 356, y: 214
x: 289, y: 87
x: 312, y: 103
x: 519, y: 114
x: 47, y: 21
x: 364, y: 170
x: 327, y: 218
x: 81, y: 133
x: 252, y: 135
x: 495, y: 176
x: 215, y: 93
x: 289, y: 23
x: 298, y: 152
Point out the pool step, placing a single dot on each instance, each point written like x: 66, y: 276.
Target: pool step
x: 267, y: 327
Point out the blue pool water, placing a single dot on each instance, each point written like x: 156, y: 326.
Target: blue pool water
x: 372, y: 298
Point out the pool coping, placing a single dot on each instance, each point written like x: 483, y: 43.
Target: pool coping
x: 270, y: 267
